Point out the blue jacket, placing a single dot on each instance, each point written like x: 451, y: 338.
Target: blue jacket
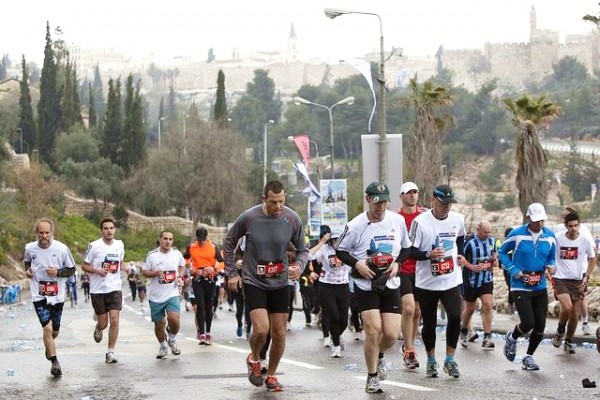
x: 528, y: 257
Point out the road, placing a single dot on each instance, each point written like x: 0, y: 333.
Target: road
x: 219, y: 372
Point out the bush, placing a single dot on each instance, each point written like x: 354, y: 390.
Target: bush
x: 492, y: 203
x: 509, y: 200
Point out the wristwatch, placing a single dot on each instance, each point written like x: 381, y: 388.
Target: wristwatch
x: 427, y: 255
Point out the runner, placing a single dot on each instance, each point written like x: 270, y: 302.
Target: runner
x: 371, y: 245
x: 268, y: 228
x: 48, y: 264
x: 102, y: 260
x: 575, y: 261
x: 438, y: 241
x: 533, y: 249
x: 165, y: 266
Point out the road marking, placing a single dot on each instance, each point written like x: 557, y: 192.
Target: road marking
x: 402, y: 385
x: 245, y: 351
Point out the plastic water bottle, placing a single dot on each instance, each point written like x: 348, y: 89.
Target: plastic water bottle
x: 10, y: 372
x: 587, y: 345
x: 350, y: 367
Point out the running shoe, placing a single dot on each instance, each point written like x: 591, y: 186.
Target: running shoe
x: 487, y: 343
x: 254, y: 374
x: 97, y: 335
x: 464, y: 339
x: 529, y: 364
x: 373, y: 385
x: 111, y: 358
x: 208, y: 339
x: 510, y: 347
x: 273, y: 385
x: 162, y: 353
x: 202, y: 339
x: 342, y: 343
x: 473, y: 336
x: 174, y: 348
x: 198, y: 335
x: 585, y: 328
x: 570, y: 347
x: 238, y: 332
x: 432, y: 367
x: 335, y: 352
x: 598, y: 339
x: 288, y: 326
x: 451, y: 368
x: 382, y: 371
x: 410, y: 359
x: 327, y: 341
x: 557, y: 339
x: 55, y: 371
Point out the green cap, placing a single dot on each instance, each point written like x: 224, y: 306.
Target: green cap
x: 378, y: 192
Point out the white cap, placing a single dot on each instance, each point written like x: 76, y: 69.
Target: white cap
x: 536, y: 212
x: 407, y: 187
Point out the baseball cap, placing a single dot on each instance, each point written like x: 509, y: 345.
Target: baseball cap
x: 444, y: 193
x: 407, y: 187
x: 378, y: 192
x: 324, y: 229
x: 536, y: 212
x: 201, y: 233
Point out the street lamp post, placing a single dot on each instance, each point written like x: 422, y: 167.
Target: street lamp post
x: 159, y: 119
x: 348, y: 100
x: 333, y: 13
x: 266, y: 133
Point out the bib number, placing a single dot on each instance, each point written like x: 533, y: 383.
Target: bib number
x: 569, y: 253
x: 111, y: 267
x: 269, y: 270
x: 532, y: 279
x: 167, y: 277
x: 48, y: 288
x: 442, y: 266
x: 334, y: 262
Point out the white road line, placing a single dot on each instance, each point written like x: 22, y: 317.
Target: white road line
x: 283, y: 360
x: 402, y: 385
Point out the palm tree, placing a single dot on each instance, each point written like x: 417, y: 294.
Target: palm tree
x: 425, y: 149
x: 528, y: 114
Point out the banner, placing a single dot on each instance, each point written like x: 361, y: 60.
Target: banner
x: 334, y: 204
x: 303, y: 144
x: 310, y: 189
x: 364, y: 68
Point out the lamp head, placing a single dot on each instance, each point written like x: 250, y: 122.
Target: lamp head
x: 334, y: 12
x: 299, y: 100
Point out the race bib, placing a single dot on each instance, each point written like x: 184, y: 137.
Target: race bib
x: 269, y: 269
x: 569, y: 253
x: 486, y: 264
x: 380, y: 261
x: 533, y: 278
x: 167, y: 277
x: 111, y: 263
x: 48, y: 288
x: 442, y: 266
x: 334, y: 262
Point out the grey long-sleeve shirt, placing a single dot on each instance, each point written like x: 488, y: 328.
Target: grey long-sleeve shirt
x: 267, y: 240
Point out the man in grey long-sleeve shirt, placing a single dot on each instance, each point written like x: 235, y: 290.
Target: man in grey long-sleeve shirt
x: 268, y: 228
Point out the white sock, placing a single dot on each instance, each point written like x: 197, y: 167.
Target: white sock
x: 163, y: 345
x: 584, y: 319
x: 172, y: 337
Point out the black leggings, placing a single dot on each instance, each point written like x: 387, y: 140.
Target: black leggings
x: 507, y: 280
x: 532, y: 308
x: 292, y: 298
x: 335, y: 302
x: 309, y: 299
x: 355, y: 319
x: 238, y: 297
x: 428, y: 300
x: 204, y: 290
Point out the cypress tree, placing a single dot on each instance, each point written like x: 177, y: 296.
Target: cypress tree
x: 138, y: 153
x: 127, y: 136
x: 26, y: 120
x: 220, y: 110
x: 99, y: 102
x: 111, y: 137
x: 92, y: 118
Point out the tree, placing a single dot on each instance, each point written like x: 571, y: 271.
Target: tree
x: 49, y: 105
x: 262, y: 88
x: 99, y: 102
x: 26, y: 119
x: 70, y: 104
x: 528, y: 114
x: 4, y: 65
x: 132, y: 140
x: 92, y: 118
x: 425, y: 149
x: 220, y: 110
x: 112, y: 127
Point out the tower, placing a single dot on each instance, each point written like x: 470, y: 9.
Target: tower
x: 292, y: 50
x: 532, y: 22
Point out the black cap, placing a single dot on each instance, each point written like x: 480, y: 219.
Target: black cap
x: 324, y: 230
x: 444, y: 193
x: 201, y: 233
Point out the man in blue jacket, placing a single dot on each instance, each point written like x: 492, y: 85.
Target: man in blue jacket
x: 533, y: 249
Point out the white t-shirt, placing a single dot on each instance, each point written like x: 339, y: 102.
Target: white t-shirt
x: 41, y: 285
x: 108, y: 257
x: 362, y: 238
x: 572, y: 256
x: 427, y: 232
x: 164, y: 287
x: 334, y: 271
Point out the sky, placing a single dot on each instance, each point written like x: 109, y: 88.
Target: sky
x: 182, y: 28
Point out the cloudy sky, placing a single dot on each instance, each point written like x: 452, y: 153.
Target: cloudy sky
x: 185, y: 28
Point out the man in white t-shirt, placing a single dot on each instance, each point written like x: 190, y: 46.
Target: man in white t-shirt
x: 371, y: 245
x: 575, y: 261
x: 165, y: 266
x: 438, y: 237
x: 102, y: 261
x: 48, y: 264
